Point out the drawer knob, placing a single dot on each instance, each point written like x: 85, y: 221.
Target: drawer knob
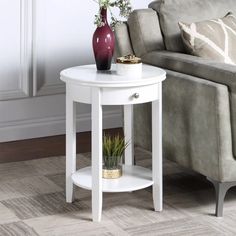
x: 136, y: 95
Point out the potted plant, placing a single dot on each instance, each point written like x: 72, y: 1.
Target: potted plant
x: 113, y: 150
x: 103, y: 38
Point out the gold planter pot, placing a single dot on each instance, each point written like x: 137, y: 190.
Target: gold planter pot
x: 111, y: 174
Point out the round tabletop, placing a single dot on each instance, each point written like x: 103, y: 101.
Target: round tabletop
x: 89, y: 76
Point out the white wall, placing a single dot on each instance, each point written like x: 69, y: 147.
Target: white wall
x: 62, y: 34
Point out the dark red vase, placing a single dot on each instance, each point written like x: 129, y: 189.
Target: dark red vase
x: 103, y: 44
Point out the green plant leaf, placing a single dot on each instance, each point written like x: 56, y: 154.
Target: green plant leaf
x: 113, y: 150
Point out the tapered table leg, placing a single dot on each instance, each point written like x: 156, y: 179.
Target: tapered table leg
x: 128, y: 132
x: 70, y: 145
x: 157, y: 151
x: 96, y: 155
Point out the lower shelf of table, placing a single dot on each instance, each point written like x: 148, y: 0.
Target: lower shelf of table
x: 133, y: 178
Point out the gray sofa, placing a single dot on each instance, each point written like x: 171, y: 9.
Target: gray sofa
x: 199, y: 95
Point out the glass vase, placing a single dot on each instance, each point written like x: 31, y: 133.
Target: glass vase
x: 103, y: 43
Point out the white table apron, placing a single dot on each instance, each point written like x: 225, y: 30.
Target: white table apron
x: 98, y: 92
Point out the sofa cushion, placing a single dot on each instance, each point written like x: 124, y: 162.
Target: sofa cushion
x: 172, y: 11
x: 211, y: 39
x: 145, y: 33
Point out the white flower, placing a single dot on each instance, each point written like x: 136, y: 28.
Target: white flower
x: 123, y: 5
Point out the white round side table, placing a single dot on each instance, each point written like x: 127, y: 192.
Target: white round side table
x: 85, y: 84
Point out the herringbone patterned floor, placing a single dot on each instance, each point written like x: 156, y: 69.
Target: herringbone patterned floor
x: 32, y: 202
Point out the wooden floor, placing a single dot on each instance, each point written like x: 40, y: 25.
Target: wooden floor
x: 45, y: 147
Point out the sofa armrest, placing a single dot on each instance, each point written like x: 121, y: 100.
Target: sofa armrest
x: 195, y: 66
x: 196, y: 125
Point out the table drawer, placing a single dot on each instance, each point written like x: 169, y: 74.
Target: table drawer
x: 133, y: 95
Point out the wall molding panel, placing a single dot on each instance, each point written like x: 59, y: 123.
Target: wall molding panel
x: 60, y: 54
x: 26, y: 46
x: 23, y: 83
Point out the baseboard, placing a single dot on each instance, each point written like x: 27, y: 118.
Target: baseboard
x: 50, y: 126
